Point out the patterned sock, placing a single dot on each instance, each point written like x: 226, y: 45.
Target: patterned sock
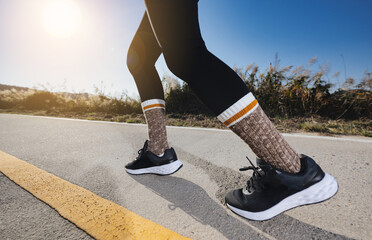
x: 247, y: 119
x: 154, y: 111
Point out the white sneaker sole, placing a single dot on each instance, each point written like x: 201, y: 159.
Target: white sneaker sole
x: 318, y: 192
x: 160, y: 170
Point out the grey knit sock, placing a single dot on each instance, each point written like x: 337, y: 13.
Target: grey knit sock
x: 247, y: 119
x: 154, y: 111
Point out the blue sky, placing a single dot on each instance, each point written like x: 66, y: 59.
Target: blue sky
x: 239, y: 32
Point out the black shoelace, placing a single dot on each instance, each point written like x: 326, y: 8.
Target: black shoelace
x: 255, y: 183
x: 142, y: 150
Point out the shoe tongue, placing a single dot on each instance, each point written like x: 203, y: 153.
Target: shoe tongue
x: 263, y: 165
x: 145, y: 145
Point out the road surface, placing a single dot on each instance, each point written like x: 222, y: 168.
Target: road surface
x: 92, y: 155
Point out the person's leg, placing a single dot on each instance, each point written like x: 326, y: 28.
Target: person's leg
x: 155, y: 156
x: 176, y: 27
x: 142, y: 55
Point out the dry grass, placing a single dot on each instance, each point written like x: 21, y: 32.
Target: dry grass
x: 325, y: 126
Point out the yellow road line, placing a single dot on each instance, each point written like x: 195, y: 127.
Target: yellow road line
x: 99, y: 217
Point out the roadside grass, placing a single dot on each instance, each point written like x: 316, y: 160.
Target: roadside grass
x: 298, y: 99
x: 320, y: 125
x: 340, y: 127
x: 325, y: 126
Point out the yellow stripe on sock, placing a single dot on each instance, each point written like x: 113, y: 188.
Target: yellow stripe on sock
x: 153, y: 106
x: 100, y: 218
x: 241, y: 113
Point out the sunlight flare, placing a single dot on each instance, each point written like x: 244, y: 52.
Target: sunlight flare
x: 61, y: 18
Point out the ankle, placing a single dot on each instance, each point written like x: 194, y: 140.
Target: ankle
x: 157, y: 148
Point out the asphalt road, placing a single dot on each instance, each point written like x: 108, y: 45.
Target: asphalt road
x: 93, y: 154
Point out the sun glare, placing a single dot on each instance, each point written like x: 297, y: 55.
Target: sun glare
x: 61, y: 18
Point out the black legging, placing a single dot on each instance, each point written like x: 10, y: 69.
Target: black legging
x: 171, y: 27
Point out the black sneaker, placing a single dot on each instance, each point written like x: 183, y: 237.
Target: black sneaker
x: 147, y: 162
x: 270, y: 192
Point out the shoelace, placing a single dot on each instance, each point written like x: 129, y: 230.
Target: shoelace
x: 255, y: 182
x: 142, y: 150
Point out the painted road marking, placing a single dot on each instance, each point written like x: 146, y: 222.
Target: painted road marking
x: 100, y: 218
x: 343, y: 138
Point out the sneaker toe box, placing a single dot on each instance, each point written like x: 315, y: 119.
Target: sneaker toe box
x: 130, y: 165
x: 233, y: 198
